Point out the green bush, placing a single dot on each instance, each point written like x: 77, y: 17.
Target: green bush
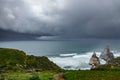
x: 35, y: 76
x: 2, y: 77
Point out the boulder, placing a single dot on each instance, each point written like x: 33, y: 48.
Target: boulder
x: 107, y: 56
x: 94, y: 60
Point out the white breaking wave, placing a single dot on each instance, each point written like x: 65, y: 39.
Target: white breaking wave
x: 76, y: 61
x: 70, y: 62
x: 69, y: 54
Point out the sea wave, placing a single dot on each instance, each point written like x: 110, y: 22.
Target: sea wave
x: 68, y: 54
x: 76, y: 61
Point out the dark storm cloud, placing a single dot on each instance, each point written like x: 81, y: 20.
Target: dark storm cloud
x: 67, y: 18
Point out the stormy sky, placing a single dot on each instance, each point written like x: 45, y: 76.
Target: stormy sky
x: 64, y: 18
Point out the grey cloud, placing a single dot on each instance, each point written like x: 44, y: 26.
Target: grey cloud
x: 67, y: 18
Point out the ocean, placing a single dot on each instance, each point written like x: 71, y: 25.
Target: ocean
x: 68, y: 54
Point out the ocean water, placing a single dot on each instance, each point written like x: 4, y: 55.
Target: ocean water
x: 68, y: 54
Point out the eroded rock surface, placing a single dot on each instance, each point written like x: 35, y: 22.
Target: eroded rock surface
x: 107, y: 56
x: 94, y: 60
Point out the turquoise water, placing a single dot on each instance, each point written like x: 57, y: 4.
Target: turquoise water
x: 75, y: 52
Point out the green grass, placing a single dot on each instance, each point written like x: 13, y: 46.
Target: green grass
x: 45, y: 75
x: 69, y: 75
x: 92, y: 75
x: 15, y: 76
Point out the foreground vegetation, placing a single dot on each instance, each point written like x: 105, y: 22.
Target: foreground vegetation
x: 44, y: 75
x: 92, y: 75
x: 68, y: 75
x: 16, y: 65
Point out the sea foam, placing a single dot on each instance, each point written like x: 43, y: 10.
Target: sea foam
x: 76, y: 61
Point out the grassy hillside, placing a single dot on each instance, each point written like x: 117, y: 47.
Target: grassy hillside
x: 12, y: 59
x: 40, y: 63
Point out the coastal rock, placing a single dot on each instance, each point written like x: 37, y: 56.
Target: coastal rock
x: 94, y: 60
x: 107, y: 56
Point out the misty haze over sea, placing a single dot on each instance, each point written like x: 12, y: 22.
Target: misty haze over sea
x: 68, y: 54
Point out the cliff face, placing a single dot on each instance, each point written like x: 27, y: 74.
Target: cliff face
x: 94, y: 60
x: 111, y: 62
x: 12, y: 59
x: 107, y: 56
x: 116, y: 61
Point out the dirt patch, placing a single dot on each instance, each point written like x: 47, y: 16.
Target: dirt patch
x: 59, y: 76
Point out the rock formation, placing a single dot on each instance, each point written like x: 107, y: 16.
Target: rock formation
x: 94, y: 60
x: 107, y: 55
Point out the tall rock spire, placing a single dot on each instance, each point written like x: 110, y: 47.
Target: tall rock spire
x: 107, y: 55
x: 94, y: 60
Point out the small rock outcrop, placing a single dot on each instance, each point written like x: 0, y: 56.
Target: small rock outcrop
x: 107, y: 55
x: 94, y: 60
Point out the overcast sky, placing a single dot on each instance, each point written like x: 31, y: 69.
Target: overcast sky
x: 66, y: 18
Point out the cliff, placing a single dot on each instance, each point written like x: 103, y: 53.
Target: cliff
x: 12, y: 59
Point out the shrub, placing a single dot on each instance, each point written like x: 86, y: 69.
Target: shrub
x: 35, y: 77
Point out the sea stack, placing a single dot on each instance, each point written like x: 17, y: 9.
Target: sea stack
x: 107, y: 55
x: 94, y: 60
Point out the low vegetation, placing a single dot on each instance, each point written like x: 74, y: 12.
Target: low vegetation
x: 15, y: 60
x: 92, y: 75
x: 67, y: 75
x: 44, y: 75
